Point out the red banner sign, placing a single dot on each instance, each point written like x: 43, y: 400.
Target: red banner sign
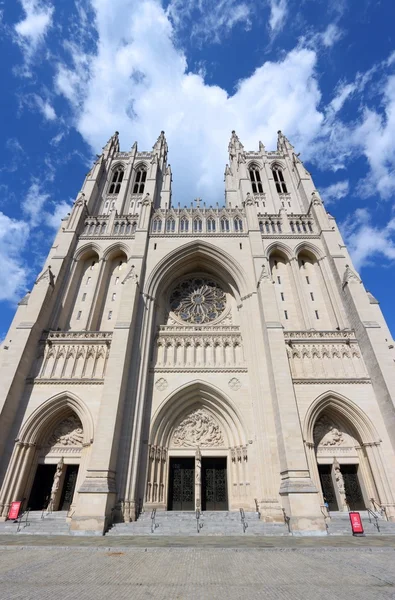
x: 356, y: 523
x: 14, y: 510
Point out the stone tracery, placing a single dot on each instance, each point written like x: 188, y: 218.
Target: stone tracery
x: 198, y: 300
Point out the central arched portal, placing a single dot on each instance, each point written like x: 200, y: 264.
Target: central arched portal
x: 197, y: 455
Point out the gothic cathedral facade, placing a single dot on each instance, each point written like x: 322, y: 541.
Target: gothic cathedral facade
x: 205, y: 358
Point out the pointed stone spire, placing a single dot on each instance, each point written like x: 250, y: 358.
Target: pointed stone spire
x: 160, y: 146
x: 283, y: 143
x: 113, y: 143
x: 236, y: 149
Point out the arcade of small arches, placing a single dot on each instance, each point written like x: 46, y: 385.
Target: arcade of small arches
x: 208, y: 224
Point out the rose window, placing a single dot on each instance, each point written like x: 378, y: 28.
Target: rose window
x: 198, y: 300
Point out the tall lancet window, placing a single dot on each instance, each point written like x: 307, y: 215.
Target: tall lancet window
x: 139, y: 181
x: 256, y: 182
x: 116, y: 181
x: 279, y: 180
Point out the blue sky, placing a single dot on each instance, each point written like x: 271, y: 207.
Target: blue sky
x: 74, y: 71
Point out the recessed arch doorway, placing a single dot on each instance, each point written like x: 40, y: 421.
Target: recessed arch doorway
x: 197, y: 455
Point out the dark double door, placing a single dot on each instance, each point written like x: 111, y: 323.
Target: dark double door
x: 352, y: 488
x: 42, y: 485
x: 213, y: 484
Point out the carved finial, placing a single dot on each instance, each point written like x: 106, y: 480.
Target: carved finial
x: 350, y: 276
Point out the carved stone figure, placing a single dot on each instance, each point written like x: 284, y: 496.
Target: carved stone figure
x: 326, y: 433
x: 68, y: 433
x: 198, y: 429
x: 56, y: 483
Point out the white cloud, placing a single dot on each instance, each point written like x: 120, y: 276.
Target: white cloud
x: 278, y: 15
x: 45, y: 107
x: 209, y: 21
x: 31, y: 31
x: 366, y: 242
x: 33, y: 204
x: 14, y: 272
x: 331, y: 35
x: 39, y: 209
x: 53, y: 219
x: 142, y: 85
x: 335, y: 192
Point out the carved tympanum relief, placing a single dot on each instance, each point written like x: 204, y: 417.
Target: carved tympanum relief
x: 68, y: 433
x: 328, y: 434
x: 198, y: 429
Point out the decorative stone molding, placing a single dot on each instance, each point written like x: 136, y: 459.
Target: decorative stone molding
x: 339, y: 381
x: 234, y: 384
x: 72, y: 356
x: 198, y: 429
x: 161, y: 384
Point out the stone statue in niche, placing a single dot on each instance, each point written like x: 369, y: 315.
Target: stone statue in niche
x: 326, y: 433
x: 68, y: 433
x: 198, y: 429
x: 55, y: 484
x: 340, y: 483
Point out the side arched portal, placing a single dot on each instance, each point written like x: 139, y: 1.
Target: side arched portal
x: 197, y: 455
x: 49, y: 456
x: 344, y: 452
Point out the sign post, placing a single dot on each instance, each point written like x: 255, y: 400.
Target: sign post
x: 356, y: 524
x: 13, y: 512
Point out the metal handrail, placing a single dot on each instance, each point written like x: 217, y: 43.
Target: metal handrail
x: 382, y: 510
x: 26, y: 513
x: 154, y: 525
x: 326, y: 515
x: 287, y: 520
x: 371, y: 514
x: 243, y: 520
x: 198, y: 516
x: 257, y: 508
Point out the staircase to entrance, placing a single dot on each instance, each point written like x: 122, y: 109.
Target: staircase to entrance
x: 210, y: 523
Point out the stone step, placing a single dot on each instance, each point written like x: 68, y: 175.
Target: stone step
x: 214, y: 523
x: 52, y: 524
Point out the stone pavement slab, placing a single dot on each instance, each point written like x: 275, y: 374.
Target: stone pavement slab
x: 94, y: 572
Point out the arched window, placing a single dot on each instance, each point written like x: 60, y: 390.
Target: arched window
x: 157, y: 225
x: 310, y: 227
x: 184, y: 225
x: 97, y: 229
x: 273, y: 226
x: 267, y: 227
x: 298, y: 227
x: 197, y: 225
x: 116, y: 181
x: 134, y: 226
x: 91, y: 229
x: 210, y: 224
x: 122, y: 229
x: 224, y: 224
x: 103, y: 229
x: 116, y: 228
x: 279, y: 180
x: 261, y: 228
x: 279, y: 227
x: 85, y: 229
x: 292, y: 227
x: 139, y: 181
x: 256, y: 182
x: 304, y: 227
x: 238, y: 223
x: 170, y: 224
x: 128, y: 229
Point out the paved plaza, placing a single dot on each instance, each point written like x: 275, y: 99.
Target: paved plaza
x: 232, y: 569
